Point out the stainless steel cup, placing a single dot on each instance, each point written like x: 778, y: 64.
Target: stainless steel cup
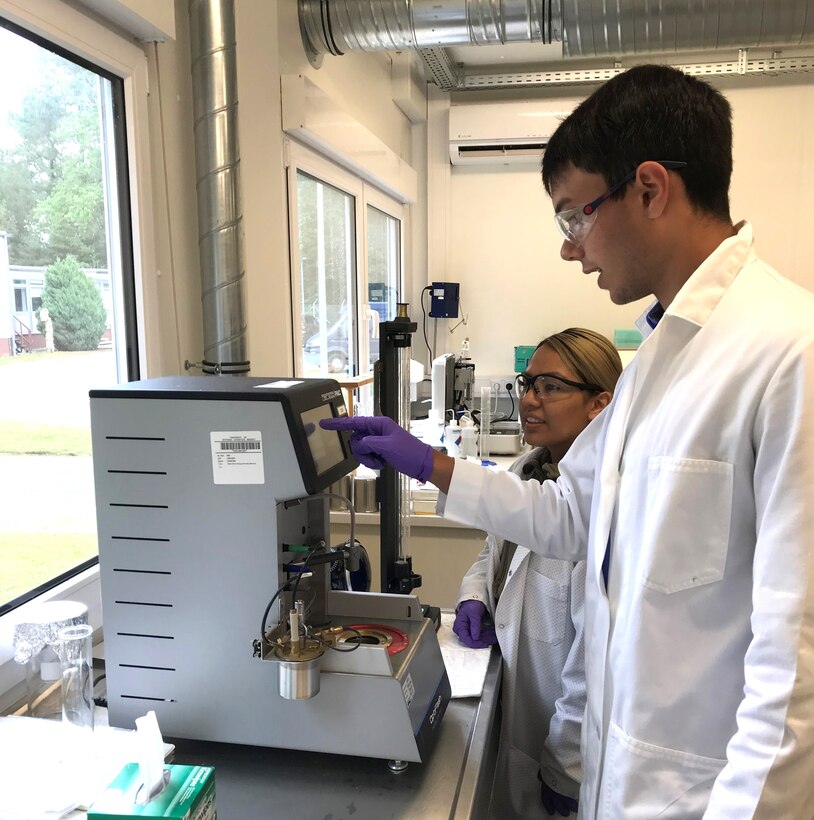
x: 364, y: 494
x: 344, y: 486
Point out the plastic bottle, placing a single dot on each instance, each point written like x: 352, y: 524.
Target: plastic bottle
x: 452, y: 438
x: 469, y: 441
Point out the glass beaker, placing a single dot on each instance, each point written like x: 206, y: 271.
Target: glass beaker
x: 485, y: 421
x: 36, y: 645
x: 76, y: 664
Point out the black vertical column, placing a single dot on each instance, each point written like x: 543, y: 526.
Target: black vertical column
x: 396, y: 573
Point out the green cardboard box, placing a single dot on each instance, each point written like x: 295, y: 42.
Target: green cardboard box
x: 189, y: 795
x: 522, y: 354
x: 627, y: 338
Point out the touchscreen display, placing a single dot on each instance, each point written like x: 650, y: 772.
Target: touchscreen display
x: 325, y: 445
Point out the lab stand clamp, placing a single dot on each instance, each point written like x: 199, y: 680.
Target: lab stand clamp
x: 404, y: 580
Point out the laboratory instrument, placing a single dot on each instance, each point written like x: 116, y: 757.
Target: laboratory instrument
x: 212, y: 521
x: 452, y: 378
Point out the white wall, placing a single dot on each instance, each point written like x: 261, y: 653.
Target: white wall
x: 773, y: 179
x: 504, y: 248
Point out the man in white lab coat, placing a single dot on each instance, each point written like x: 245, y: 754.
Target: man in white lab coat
x: 691, y: 492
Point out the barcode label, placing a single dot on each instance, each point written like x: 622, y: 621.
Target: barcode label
x: 240, y: 446
x: 237, y: 457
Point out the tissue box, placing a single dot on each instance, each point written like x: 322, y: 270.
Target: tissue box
x: 190, y: 795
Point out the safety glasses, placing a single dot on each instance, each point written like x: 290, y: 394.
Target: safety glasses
x: 548, y: 387
x: 575, y: 223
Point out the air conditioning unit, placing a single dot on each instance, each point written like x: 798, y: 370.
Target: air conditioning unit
x: 506, y: 133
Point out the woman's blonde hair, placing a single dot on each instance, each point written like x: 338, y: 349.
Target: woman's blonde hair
x: 589, y: 354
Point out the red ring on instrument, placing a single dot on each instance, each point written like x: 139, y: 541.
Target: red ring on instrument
x: 399, y: 640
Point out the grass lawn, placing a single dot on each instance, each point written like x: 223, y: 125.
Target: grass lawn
x: 19, y: 438
x: 37, y: 555
x: 45, y: 413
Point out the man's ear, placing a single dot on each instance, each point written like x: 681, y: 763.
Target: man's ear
x: 653, y: 181
x: 599, y: 403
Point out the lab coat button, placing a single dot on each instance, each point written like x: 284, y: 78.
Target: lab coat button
x: 500, y: 626
x: 510, y: 573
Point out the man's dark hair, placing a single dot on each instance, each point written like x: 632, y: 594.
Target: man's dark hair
x: 650, y: 112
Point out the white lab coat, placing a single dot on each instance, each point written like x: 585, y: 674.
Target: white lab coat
x: 539, y: 624
x: 699, y: 475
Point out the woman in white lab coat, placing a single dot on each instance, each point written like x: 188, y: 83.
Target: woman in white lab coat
x: 536, y: 603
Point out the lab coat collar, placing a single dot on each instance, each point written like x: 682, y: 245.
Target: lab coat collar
x: 706, y: 286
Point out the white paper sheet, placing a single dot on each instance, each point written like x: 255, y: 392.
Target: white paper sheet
x: 466, y: 667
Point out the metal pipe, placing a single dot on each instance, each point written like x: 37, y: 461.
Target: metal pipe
x: 338, y: 26
x: 589, y: 28
x: 217, y: 163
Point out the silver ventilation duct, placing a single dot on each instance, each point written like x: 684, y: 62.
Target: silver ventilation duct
x: 586, y: 28
x: 217, y: 163
x: 598, y: 28
x: 338, y: 26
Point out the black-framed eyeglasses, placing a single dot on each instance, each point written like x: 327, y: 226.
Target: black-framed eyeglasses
x: 575, y: 223
x: 548, y: 387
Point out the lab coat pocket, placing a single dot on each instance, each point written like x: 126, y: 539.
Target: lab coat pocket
x: 643, y: 781
x: 686, y: 528
x: 545, y: 608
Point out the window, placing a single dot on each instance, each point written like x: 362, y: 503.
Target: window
x: 327, y: 246
x: 65, y: 246
x: 20, y: 300
x: 346, y: 241
x: 383, y: 270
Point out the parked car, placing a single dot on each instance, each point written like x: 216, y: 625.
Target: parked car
x: 339, y: 347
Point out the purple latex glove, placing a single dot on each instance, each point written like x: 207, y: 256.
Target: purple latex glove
x: 554, y: 802
x: 377, y: 442
x: 469, y: 626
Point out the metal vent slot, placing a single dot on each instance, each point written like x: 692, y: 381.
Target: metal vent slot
x: 135, y: 438
x: 140, y: 506
x: 143, y: 666
x: 138, y: 472
x: 144, y: 571
x: 528, y: 149
x: 147, y: 697
x: 137, y: 538
x: 143, y: 635
x: 142, y: 603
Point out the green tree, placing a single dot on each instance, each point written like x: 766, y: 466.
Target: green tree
x: 75, y: 306
x: 51, y: 178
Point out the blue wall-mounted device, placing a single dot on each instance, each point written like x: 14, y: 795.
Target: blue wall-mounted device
x: 444, y: 300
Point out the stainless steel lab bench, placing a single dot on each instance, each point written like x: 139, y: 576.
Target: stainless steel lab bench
x: 254, y: 783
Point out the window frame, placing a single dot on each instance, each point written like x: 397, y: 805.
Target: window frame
x: 300, y: 158
x: 57, y: 25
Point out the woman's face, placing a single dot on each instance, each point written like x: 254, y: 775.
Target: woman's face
x: 555, y: 423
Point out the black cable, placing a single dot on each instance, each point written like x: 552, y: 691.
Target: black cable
x: 511, y: 397
x: 336, y: 648
x: 424, y: 322
x: 279, y: 590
